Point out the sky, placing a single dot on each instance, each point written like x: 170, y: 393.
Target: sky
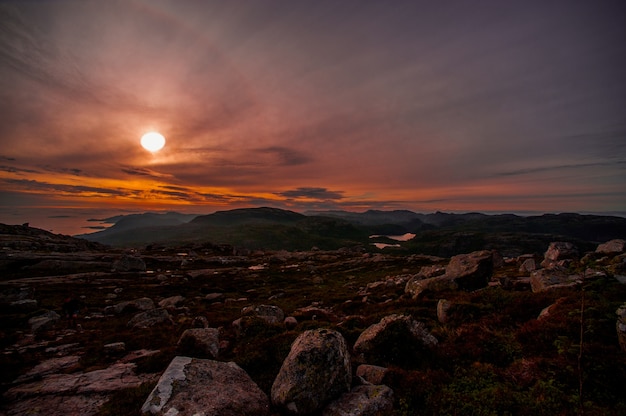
x: 453, y: 106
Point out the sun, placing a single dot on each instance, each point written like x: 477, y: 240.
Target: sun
x: 153, y: 141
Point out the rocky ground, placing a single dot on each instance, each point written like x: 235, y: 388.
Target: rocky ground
x: 205, y: 328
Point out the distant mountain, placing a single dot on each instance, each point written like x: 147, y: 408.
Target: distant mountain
x: 439, y: 233
x: 249, y: 216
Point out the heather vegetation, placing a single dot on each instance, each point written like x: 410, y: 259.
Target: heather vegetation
x: 497, y: 353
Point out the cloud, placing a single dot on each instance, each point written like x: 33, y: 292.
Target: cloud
x: 526, y: 171
x: 312, y: 193
x: 33, y: 185
x: 287, y: 156
x: 12, y: 169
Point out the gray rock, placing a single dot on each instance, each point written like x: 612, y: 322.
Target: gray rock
x: 465, y: 271
x: 559, y: 252
x: 316, y: 371
x: 199, y: 342
x: 151, y: 318
x: 128, y: 263
x: 612, y: 247
x: 378, y: 342
x: 546, y: 279
x: 43, y: 322
x: 366, y: 400
x: 172, y: 302
x: 528, y: 265
x: 269, y: 313
x: 191, y: 386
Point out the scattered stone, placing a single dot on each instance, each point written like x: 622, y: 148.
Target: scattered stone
x: 366, y: 400
x: 199, y: 342
x: 151, y: 318
x: 128, y: 263
x: 192, y: 386
x: 558, y: 254
x: 316, y: 371
x: 612, y: 247
x: 51, y: 366
x: 372, y: 374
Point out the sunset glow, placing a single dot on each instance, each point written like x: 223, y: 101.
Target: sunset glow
x: 355, y: 105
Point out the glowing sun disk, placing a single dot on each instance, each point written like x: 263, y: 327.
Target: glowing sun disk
x: 153, y: 141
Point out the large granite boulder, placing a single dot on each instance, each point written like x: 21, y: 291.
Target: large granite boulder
x: 612, y: 247
x: 43, y: 322
x: 393, y: 340
x: 471, y: 271
x: 367, y: 400
x: 546, y: 279
x: 192, y: 386
x: 172, y: 302
x: 558, y: 254
x: 128, y: 263
x: 200, y: 342
x: 621, y: 326
x: 269, y: 313
x: 150, y: 318
x: 316, y: 371
x: 465, y: 271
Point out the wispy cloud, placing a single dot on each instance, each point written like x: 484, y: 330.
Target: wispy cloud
x: 322, y: 194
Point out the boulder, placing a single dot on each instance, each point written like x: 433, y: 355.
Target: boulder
x: 558, y: 254
x: 192, y: 386
x: 528, y: 265
x: 151, y: 318
x: 621, y: 326
x: 128, y: 263
x: 546, y: 279
x: 269, y: 313
x: 368, y: 400
x: 465, y: 271
x: 43, y: 322
x: 612, y: 247
x: 199, y: 342
x: 471, y: 271
x: 394, y: 339
x: 316, y: 371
